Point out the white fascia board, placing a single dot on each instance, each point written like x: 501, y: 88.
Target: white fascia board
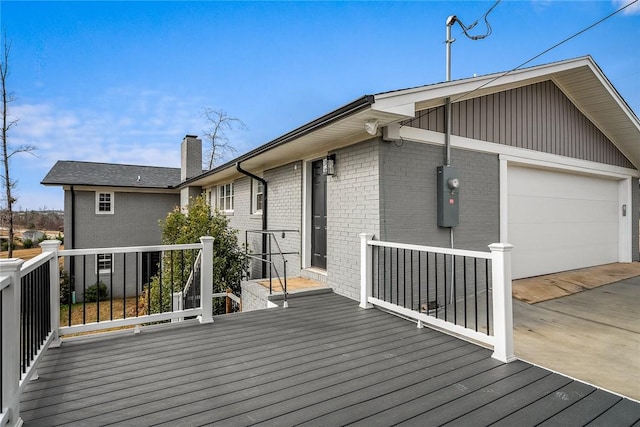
x: 519, y: 155
x: 468, y: 88
x: 407, y: 110
x: 107, y: 189
x: 615, y: 95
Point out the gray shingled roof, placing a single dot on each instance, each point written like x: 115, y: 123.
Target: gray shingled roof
x: 66, y: 172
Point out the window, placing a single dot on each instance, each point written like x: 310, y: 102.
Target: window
x: 105, y: 263
x: 257, y: 200
x: 104, y: 203
x: 225, y: 197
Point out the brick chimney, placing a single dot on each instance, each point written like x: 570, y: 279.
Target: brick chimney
x: 191, y: 157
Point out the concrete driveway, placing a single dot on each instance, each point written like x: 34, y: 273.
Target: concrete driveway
x: 593, y: 336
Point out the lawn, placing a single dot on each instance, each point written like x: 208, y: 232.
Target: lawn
x: 81, y: 313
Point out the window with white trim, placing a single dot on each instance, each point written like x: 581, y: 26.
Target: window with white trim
x: 257, y: 197
x: 225, y: 197
x: 104, y: 203
x: 105, y: 263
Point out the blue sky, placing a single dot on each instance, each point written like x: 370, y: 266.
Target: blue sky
x: 123, y: 82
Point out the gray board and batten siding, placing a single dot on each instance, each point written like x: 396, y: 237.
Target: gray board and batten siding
x: 536, y: 117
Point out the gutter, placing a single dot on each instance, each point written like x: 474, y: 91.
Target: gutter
x: 264, y: 214
x: 345, y: 111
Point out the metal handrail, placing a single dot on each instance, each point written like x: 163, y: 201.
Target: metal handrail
x: 191, y: 275
x: 272, y: 266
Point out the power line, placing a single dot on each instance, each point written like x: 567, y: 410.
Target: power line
x: 465, y: 29
x: 545, y: 51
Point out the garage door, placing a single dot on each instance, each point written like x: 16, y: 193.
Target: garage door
x: 560, y: 221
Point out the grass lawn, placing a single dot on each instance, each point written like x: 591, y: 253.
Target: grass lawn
x: 90, y: 311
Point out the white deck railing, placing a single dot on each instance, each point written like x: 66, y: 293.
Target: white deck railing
x: 30, y: 323
x: 439, y: 287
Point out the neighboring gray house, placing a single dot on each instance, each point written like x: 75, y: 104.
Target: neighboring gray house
x: 544, y: 158
x: 109, y: 205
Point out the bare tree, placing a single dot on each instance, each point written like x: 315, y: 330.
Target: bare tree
x: 7, y: 150
x: 218, y: 144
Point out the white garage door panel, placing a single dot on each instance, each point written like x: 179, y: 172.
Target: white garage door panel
x: 537, y: 182
x: 553, y: 210
x: 558, y: 221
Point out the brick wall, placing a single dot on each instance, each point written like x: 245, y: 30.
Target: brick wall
x: 284, y: 205
x: 352, y: 208
x: 408, y: 196
x: 285, y: 212
x: 242, y: 219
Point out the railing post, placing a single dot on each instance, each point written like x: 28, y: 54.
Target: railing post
x: 206, y: 280
x: 178, y: 301
x: 11, y: 340
x: 366, y: 260
x: 54, y: 270
x: 502, y: 302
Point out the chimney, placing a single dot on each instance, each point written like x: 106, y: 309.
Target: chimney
x: 191, y: 157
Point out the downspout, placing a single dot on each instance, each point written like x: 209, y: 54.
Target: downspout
x: 264, y: 214
x: 72, y: 264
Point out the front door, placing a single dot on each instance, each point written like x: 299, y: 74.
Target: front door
x: 318, y: 216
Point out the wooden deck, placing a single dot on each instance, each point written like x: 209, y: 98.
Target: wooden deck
x: 323, y: 361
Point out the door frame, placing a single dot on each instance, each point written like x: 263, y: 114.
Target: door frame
x: 307, y: 183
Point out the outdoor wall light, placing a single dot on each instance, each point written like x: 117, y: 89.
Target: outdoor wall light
x: 329, y: 165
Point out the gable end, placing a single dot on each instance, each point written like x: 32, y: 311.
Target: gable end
x: 536, y: 117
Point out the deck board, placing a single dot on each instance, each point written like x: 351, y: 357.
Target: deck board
x: 322, y: 361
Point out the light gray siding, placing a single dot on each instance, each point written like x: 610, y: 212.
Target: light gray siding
x: 353, y: 207
x: 135, y: 222
x: 408, y: 196
x: 537, y: 117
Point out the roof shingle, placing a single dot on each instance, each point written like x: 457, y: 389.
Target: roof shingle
x: 66, y: 172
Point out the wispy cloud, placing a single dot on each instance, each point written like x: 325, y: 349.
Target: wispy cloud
x: 146, y: 129
x: 634, y: 9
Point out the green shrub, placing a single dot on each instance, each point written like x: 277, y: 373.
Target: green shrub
x: 27, y: 244
x: 91, y: 294
x: 64, y: 287
x: 229, y: 258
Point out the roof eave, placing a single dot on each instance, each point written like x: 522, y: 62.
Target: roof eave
x: 353, y: 107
